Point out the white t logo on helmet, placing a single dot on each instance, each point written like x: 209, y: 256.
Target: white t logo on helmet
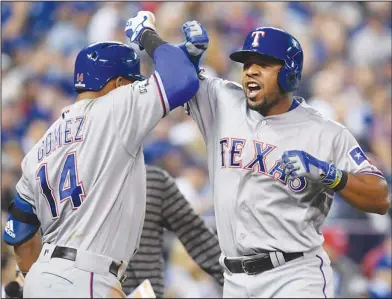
x: 256, y: 35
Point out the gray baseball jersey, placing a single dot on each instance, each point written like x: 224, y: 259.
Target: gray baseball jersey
x: 86, y: 177
x: 256, y: 209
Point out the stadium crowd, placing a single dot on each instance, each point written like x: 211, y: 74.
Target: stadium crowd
x: 347, y: 76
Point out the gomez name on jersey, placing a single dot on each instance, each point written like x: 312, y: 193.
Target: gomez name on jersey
x: 65, y: 133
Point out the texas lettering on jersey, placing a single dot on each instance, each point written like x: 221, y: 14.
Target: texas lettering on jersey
x: 231, y: 152
x: 64, y: 134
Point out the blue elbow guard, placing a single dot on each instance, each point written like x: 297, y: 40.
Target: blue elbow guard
x: 22, y: 223
x: 184, y: 85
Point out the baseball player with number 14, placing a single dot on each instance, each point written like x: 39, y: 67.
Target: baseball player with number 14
x: 84, y: 182
x: 275, y: 164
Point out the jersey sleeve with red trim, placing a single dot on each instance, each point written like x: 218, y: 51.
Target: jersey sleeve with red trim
x: 350, y: 157
x: 137, y: 109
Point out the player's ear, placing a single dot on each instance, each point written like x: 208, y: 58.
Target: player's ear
x: 119, y: 82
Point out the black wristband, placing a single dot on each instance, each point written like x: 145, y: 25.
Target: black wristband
x: 150, y: 40
x: 343, y: 182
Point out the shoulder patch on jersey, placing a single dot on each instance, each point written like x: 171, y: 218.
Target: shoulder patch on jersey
x: 142, y: 85
x: 202, y: 76
x: 142, y: 88
x: 357, y: 155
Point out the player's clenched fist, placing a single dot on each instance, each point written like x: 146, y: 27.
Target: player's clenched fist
x: 196, y: 42
x: 301, y: 164
x: 196, y: 37
x: 135, y: 26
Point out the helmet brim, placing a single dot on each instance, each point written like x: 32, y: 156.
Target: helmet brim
x: 243, y: 55
x: 133, y: 77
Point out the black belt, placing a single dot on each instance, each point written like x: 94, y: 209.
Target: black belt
x: 257, y: 265
x: 70, y: 254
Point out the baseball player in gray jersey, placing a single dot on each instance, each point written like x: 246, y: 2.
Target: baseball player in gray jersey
x: 83, y: 183
x: 275, y: 164
x: 167, y: 208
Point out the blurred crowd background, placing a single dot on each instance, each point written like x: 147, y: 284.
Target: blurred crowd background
x: 347, y: 76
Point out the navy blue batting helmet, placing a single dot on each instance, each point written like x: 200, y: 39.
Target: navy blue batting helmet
x: 277, y: 44
x: 97, y: 63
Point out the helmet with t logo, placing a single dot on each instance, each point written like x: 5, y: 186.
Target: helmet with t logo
x: 278, y: 44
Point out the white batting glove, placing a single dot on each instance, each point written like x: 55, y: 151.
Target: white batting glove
x: 139, y: 23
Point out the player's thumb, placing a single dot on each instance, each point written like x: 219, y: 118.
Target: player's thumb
x: 193, y: 50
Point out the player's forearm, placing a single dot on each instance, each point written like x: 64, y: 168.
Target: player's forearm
x: 202, y: 246
x: 367, y: 193
x: 364, y: 191
x: 28, y: 252
x: 204, y: 250
x: 200, y: 242
x: 176, y: 71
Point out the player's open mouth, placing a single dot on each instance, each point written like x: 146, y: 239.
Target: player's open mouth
x: 252, y: 89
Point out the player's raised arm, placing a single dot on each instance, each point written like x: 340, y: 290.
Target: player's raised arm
x: 196, y: 42
x: 175, y: 72
x: 138, y: 107
x: 203, y: 106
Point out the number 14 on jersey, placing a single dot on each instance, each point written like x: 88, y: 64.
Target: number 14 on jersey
x: 69, y: 188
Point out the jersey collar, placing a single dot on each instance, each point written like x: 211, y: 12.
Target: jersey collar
x: 297, y: 101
